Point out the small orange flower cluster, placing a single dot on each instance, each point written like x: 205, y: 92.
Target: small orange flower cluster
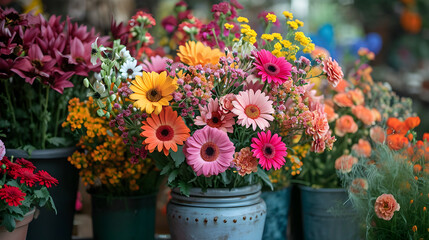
x: 103, y: 161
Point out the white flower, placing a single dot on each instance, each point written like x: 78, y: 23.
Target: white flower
x: 124, y: 54
x: 99, y: 87
x: 243, y: 47
x: 95, y: 51
x: 130, y: 69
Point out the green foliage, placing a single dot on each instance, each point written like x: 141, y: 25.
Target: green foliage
x: 391, y: 172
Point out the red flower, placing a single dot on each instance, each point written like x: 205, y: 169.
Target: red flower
x: 12, y: 195
x: 46, y: 179
x: 27, y: 176
x: 11, y: 168
x: 25, y: 163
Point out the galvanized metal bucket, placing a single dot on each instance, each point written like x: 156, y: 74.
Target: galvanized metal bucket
x: 327, y: 215
x: 219, y: 213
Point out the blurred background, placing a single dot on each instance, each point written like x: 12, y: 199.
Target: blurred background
x: 397, y: 31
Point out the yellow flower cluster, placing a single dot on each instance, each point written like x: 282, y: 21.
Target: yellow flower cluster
x: 271, y: 17
x: 228, y: 26
x: 293, y: 165
x: 102, y: 160
x: 248, y: 34
x: 305, y: 42
x: 242, y: 19
x: 288, y: 15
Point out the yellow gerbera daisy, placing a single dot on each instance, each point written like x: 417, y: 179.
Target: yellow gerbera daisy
x: 196, y: 53
x: 152, y: 91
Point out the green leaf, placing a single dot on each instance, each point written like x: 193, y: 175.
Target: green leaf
x: 261, y: 173
x: 184, y: 188
x: 225, y: 178
x: 57, y: 141
x: 172, y: 175
x: 16, y: 209
x: 178, y: 156
x: 165, y: 169
x: 100, y: 112
x: 8, y: 222
x: 29, y: 148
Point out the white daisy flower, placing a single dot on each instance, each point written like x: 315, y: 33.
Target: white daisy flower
x: 130, y: 69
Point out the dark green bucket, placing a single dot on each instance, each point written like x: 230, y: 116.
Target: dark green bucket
x: 125, y: 218
x: 327, y: 215
x: 278, y: 203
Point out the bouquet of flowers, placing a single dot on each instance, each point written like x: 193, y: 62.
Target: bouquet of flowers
x: 223, y: 114
x: 354, y: 108
x: 22, y: 188
x: 390, y: 189
x: 40, y: 60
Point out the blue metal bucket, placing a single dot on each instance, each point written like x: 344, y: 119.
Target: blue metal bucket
x: 278, y: 203
x: 219, y: 213
x: 327, y: 215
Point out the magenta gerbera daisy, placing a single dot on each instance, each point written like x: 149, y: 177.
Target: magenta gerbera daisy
x: 212, y: 116
x: 209, y: 151
x: 270, y: 150
x: 271, y: 68
x: 253, y: 108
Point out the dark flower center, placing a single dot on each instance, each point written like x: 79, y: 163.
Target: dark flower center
x: 93, y: 51
x: 271, y: 69
x: 164, y: 133
x: 269, y: 151
x: 215, y: 121
x: 130, y: 71
x: 153, y: 95
x: 209, y: 152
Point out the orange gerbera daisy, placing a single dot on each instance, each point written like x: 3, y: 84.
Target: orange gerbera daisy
x: 164, y: 131
x: 196, y: 53
x: 152, y: 91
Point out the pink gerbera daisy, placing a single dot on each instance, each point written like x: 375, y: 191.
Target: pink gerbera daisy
x: 156, y: 64
x: 271, y: 68
x: 253, y: 108
x: 209, y: 151
x: 212, y: 116
x: 270, y: 150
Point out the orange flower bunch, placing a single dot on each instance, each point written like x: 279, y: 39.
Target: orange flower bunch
x: 103, y: 162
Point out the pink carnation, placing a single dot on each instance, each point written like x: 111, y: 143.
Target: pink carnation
x: 333, y: 71
x: 385, y: 206
x: 345, y: 163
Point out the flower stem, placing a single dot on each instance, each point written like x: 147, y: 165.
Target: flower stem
x: 9, y: 101
x: 45, y: 119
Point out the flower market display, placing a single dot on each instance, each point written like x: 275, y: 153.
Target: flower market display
x: 22, y: 188
x: 217, y: 118
x: 224, y: 112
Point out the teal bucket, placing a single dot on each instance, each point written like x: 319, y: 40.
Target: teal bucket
x: 125, y: 218
x: 328, y: 215
x: 278, y: 204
